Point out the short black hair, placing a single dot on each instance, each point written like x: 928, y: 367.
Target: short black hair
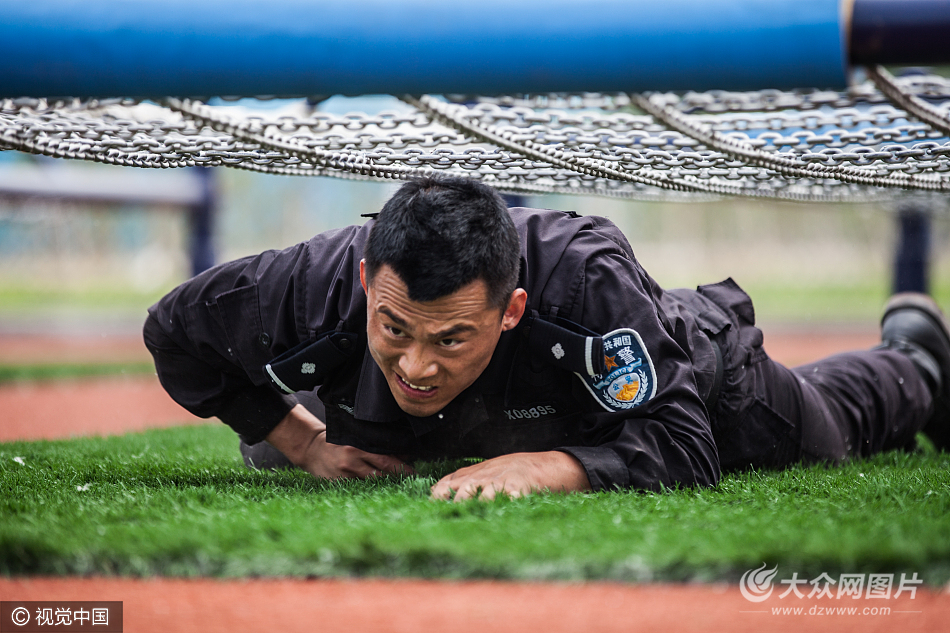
x: 440, y: 233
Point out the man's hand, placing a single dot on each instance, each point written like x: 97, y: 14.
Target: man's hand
x: 303, y: 439
x: 514, y: 475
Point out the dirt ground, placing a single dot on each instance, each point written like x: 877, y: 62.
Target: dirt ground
x: 404, y: 606
x: 104, y: 406
x: 116, y: 405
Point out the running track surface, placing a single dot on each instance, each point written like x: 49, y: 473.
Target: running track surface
x: 397, y: 606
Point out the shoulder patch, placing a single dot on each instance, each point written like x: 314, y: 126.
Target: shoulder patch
x: 630, y: 379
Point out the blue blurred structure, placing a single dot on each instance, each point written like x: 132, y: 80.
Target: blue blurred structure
x: 158, y: 48
x: 201, y: 215
x: 192, y: 190
x: 912, y: 259
x: 900, y: 32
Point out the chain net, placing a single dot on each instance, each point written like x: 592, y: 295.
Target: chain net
x: 881, y: 137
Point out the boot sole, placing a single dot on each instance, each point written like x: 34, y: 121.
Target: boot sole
x: 923, y: 303
x: 938, y: 427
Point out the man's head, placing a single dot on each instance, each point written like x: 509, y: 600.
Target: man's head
x: 441, y: 233
x: 440, y: 272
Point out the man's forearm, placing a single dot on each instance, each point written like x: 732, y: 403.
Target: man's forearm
x: 294, y: 435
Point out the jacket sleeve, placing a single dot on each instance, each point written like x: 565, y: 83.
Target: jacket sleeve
x: 666, y: 440
x: 211, y: 336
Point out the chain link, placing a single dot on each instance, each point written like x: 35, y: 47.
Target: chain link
x: 864, y: 143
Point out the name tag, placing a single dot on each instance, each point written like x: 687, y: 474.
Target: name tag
x: 532, y: 413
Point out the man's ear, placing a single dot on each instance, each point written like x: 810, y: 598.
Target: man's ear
x: 515, y: 309
x: 363, y: 274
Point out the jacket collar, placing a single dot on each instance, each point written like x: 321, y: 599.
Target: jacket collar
x: 374, y: 401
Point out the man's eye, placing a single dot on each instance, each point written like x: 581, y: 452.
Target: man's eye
x: 449, y: 342
x: 395, y: 331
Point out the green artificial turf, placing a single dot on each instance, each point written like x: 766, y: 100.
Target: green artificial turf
x: 179, y: 502
x: 58, y: 371
x: 38, y: 297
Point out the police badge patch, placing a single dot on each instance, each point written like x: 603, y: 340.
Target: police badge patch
x: 630, y: 379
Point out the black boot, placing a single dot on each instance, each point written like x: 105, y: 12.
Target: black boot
x: 914, y: 325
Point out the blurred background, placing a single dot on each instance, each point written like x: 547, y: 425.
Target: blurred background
x: 87, y: 266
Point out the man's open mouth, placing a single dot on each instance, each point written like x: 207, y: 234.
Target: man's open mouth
x: 420, y: 388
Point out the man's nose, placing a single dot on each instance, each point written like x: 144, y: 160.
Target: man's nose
x: 417, y: 365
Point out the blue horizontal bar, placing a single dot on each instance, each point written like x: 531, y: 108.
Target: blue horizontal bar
x: 156, y: 48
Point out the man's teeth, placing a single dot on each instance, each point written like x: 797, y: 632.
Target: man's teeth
x: 417, y: 387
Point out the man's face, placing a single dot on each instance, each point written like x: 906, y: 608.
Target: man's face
x: 430, y: 352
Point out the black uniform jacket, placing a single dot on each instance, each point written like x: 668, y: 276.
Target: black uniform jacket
x: 635, y: 418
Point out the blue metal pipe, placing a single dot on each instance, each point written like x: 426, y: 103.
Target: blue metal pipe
x: 156, y: 48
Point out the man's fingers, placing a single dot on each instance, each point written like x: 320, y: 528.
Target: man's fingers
x: 466, y: 492
x: 442, y: 490
x: 463, y: 490
x: 352, y: 462
x: 388, y: 464
x: 374, y: 465
x: 454, y: 488
x: 486, y: 493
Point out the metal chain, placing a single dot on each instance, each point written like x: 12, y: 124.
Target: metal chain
x: 719, y: 101
x: 927, y: 113
x: 454, y: 115
x: 247, y: 130
x: 669, y: 140
x: 652, y: 142
x: 803, y: 145
x: 450, y: 114
x: 784, y: 164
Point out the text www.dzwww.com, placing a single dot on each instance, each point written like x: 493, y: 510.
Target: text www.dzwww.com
x: 816, y: 610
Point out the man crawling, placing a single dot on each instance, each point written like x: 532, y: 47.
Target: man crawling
x: 452, y: 326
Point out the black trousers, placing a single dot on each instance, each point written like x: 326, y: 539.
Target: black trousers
x: 848, y: 405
